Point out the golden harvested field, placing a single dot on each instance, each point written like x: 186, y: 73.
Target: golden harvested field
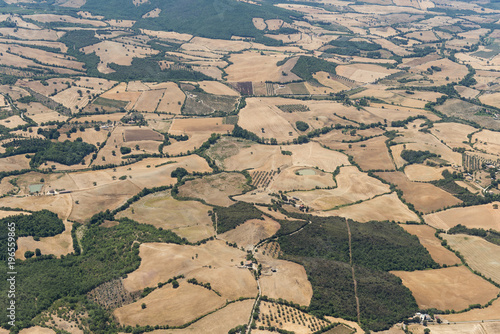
x: 252, y: 66
x: 147, y: 173
x: 115, y: 117
x: 90, y: 135
x: 169, y: 306
x: 213, y: 262
x: 29, y: 34
x: 86, y: 203
x: 37, y: 330
x: 288, y: 318
x: 454, y: 328
x: 12, y: 122
x: 369, y: 154
x: 195, y: 141
x: 118, y: 53
x: 251, y: 232
x: 15, y: 162
x: 488, y: 141
x: 479, y: 254
x: 424, y: 196
x: 61, y: 244
x: 50, y: 116
x: 211, y: 125
x: 424, y: 36
x: 352, y: 186
x: 376, y: 209
x: 466, y: 92
x: 222, y: 321
x: 71, y: 98
x: 453, y: 134
x: 413, y: 139
x: 211, y: 44
x: 137, y: 136
x: 45, y: 18
x: 479, y: 216
x: 427, y: 238
x: 168, y: 35
x: 455, y: 72
x: 95, y: 83
x: 267, y: 157
x: 217, y: 88
x: 325, y: 79
x: 488, y: 313
x: 47, y: 58
x: 288, y: 282
x: 52, y: 85
x: 395, y: 113
x: 215, y: 189
x: 298, y: 178
x: 264, y: 117
x: 4, y: 213
x: 453, y: 288
x: 491, y: 99
x: 365, y: 73
x: 188, y: 219
x: 58, y: 204
x: 172, y: 100
x: 149, y: 100
x: 423, y: 173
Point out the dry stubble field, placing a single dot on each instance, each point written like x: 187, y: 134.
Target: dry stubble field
x: 453, y: 288
x: 479, y: 216
x: 479, y: 254
x: 188, y: 219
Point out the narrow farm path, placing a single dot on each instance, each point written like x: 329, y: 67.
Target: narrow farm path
x: 353, y: 274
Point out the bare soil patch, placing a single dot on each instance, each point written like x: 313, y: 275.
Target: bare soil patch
x: 142, y: 134
x: 190, y: 125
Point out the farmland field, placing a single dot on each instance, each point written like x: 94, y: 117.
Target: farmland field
x: 479, y: 216
x: 479, y: 254
x: 376, y: 209
x: 424, y: 196
x: 352, y: 186
x: 215, y: 189
x: 189, y: 219
x: 427, y: 238
x: 453, y: 288
x: 236, y: 166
